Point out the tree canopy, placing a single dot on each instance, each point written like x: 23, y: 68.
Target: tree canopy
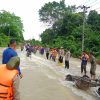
x: 66, y: 28
x: 11, y: 26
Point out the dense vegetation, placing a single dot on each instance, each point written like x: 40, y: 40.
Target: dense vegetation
x: 10, y: 27
x: 34, y: 42
x: 66, y: 28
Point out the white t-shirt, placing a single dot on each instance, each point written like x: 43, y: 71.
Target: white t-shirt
x: 67, y: 56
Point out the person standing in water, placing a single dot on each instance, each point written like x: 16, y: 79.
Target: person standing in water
x: 61, y: 55
x: 67, y: 57
x: 84, y: 60
x: 47, y: 52
x: 93, y: 66
x: 9, y: 53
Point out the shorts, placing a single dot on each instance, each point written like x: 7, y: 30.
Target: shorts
x: 92, y: 72
x: 93, y: 69
x: 83, y: 68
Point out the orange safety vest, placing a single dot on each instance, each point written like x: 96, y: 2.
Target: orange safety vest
x: 6, y: 82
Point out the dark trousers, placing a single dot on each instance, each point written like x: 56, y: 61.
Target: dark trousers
x: 83, y: 68
x: 47, y: 55
x: 60, y: 59
x: 54, y: 58
x: 67, y: 64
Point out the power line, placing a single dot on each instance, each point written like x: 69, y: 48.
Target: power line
x: 93, y: 7
x: 97, y: 8
x: 86, y: 2
x: 95, y: 4
x: 91, y: 2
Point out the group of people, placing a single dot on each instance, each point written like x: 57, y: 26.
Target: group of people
x: 32, y: 49
x: 10, y: 73
x: 84, y: 59
x: 53, y: 53
x: 64, y: 57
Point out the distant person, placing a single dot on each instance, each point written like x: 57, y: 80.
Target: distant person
x: 54, y: 54
x: 29, y: 51
x: 93, y: 66
x: 67, y: 58
x: 9, y: 80
x: 61, y: 55
x: 84, y: 60
x: 42, y: 50
x: 47, y: 52
x: 51, y: 53
x: 9, y: 53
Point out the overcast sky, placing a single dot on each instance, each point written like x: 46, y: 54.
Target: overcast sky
x: 28, y: 11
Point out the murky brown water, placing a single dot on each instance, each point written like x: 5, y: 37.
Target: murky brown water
x: 47, y: 79
x: 44, y: 80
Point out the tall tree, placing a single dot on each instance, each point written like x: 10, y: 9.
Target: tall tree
x: 94, y: 20
x: 11, y: 25
x: 52, y: 11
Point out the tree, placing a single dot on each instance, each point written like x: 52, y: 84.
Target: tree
x: 66, y: 28
x: 52, y: 11
x: 47, y: 36
x: 11, y: 25
x: 94, y: 20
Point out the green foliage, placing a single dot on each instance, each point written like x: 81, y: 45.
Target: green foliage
x: 53, y: 11
x: 4, y: 40
x: 48, y: 36
x: 11, y: 25
x: 34, y: 42
x: 66, y: 28
x: 94, y: 20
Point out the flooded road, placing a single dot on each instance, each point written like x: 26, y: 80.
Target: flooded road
x: 44, y: 80
x: 41, y: 81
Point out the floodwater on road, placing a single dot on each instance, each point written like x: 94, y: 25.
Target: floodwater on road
x: 44, y: 80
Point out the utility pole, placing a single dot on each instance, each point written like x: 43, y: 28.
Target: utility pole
x: 84, y: 20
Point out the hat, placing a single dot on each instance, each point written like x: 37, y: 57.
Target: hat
x: 13, y: 63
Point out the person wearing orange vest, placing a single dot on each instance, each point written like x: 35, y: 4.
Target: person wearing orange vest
x: 9, y: 80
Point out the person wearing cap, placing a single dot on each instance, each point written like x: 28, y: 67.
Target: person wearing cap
x: 10, y: 52
x: 9, y: 80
